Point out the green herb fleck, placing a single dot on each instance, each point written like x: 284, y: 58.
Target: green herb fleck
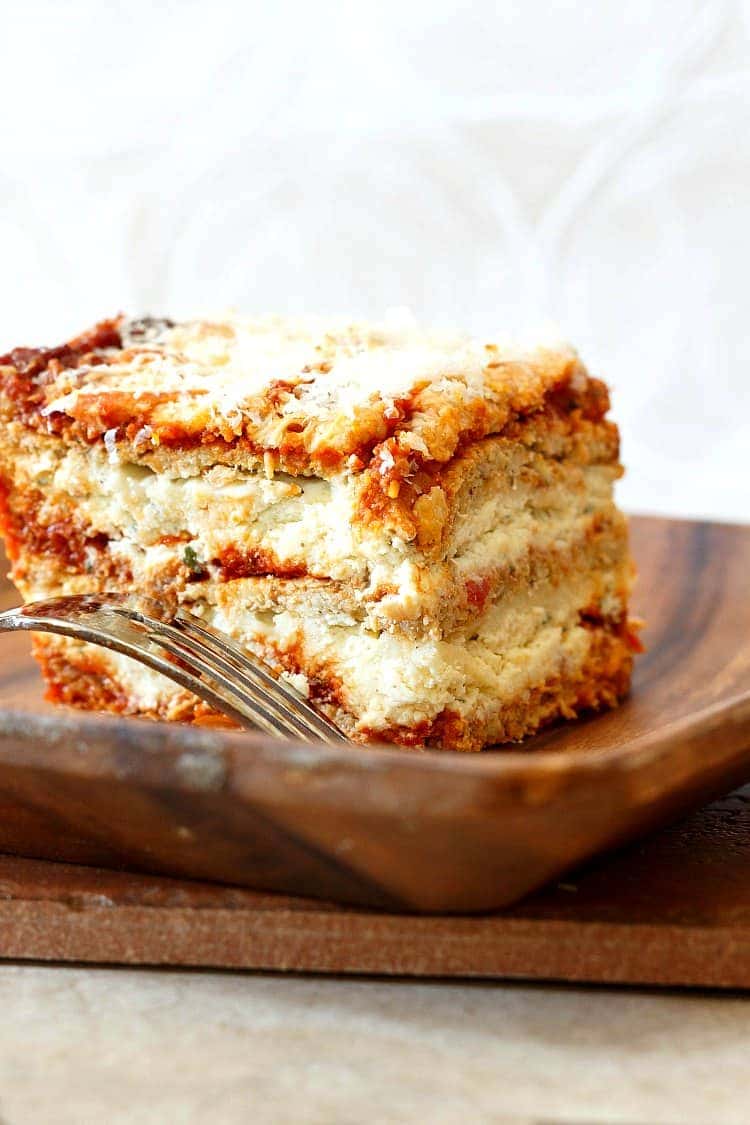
x: 191, y: 560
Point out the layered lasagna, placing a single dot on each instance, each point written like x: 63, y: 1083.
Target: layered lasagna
x: 417, y: 530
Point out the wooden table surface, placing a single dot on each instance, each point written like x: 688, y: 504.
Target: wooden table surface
x: 672, y: 910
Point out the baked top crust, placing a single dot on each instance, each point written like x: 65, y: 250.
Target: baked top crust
x: 307, y: 397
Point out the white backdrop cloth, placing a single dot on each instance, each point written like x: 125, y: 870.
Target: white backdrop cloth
x: 491, y: 165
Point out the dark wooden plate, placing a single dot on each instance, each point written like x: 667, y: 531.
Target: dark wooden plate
x: 390, y: 828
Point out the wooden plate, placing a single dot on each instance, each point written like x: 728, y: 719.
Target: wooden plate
x: 390, y: 828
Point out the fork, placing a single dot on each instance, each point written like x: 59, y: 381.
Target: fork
x: 180, y: 646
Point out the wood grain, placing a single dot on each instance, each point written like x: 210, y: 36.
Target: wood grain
x: 673, y: 910
x: 392, y: 829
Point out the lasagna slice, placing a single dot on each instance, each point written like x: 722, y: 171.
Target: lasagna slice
x: 418, y: 530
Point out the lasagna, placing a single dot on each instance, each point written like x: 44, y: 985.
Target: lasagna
x: 416, y: 529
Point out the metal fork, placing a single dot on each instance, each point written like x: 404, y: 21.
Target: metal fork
x: 203, y: 660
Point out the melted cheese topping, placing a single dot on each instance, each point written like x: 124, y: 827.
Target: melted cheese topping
x: 324, y: 369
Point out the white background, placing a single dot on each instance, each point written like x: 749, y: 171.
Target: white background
x: 491, y: 165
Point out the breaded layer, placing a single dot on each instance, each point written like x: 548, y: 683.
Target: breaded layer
x: 308, y: 397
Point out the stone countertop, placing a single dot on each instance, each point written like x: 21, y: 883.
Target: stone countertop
x: 84, y: 1045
